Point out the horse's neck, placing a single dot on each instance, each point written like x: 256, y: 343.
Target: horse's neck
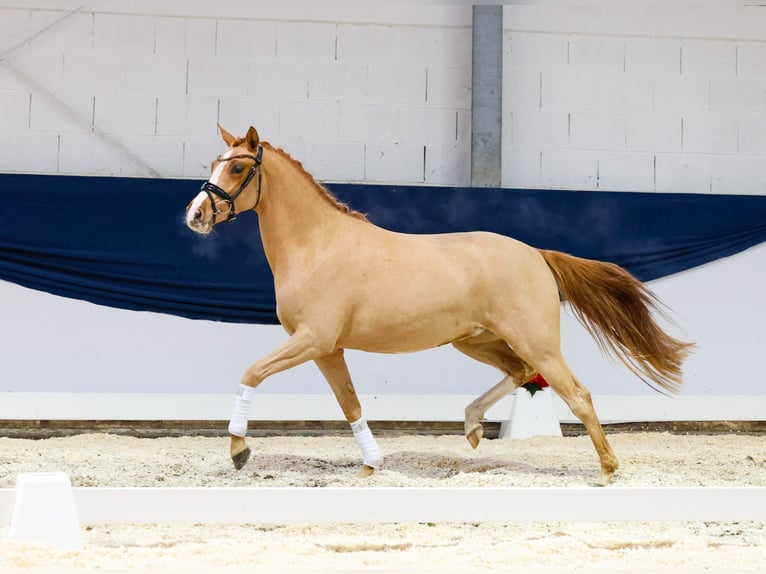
x: 296, y: 222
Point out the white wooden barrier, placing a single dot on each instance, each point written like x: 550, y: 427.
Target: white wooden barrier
x: 383, y: 505
x: 394, y: 407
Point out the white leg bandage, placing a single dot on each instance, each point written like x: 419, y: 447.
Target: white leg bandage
x: 239, y: 418
x: 372, y: 456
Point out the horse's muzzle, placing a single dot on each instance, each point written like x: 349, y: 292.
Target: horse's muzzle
x: 195, y: 216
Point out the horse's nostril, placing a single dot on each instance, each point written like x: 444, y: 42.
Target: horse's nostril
x: 197, y: 214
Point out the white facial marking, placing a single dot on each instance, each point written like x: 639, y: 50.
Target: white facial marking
x: 202, y: 196
x: 195, y: 205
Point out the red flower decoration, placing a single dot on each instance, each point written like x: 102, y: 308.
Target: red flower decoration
x: 536, y: 384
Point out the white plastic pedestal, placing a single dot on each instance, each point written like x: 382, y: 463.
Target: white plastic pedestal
x: 45, y: 511
x: 532, y: 415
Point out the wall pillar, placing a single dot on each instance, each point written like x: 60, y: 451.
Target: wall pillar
x: 487, y: 96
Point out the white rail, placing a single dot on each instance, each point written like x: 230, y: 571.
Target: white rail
x: 381, y: 505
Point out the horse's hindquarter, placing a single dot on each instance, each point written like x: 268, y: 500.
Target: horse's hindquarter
x: 414, y: 292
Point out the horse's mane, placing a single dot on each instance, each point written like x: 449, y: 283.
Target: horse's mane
x: 322, y: 190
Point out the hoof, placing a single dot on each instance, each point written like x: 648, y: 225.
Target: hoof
x: 605, y: 478
x: 365, y: 471
x: 240, y: 458
x: 475, y: 435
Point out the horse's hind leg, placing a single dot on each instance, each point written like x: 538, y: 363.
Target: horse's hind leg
x: 491, y: 350
x: 578, y: 399
x: 335, y: 370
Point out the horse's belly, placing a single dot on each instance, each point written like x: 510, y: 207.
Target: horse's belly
x: 405, y: 333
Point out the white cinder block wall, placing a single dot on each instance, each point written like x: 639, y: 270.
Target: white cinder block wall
x: 640, y: 98
x: 652, y: 98
x: 357, y: 94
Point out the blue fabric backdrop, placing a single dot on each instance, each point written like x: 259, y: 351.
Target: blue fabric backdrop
x: 122, y: 242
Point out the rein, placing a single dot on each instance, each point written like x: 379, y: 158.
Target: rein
x: 212, y: 189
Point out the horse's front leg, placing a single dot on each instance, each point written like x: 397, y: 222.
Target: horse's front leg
x: 299, y: 348
x: 335, y: 370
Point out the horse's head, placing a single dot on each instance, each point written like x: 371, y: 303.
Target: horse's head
x: 234, y: 185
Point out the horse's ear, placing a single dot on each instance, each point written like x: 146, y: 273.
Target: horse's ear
x: 252, y: 138
x: 227, y: 137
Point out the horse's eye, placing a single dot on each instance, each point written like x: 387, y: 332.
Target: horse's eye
x: 237, y: 169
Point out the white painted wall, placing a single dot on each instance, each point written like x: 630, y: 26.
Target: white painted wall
x: 357, y: 93
x: 665, y: 98
x: 635, y: 96
x: 52, y: 344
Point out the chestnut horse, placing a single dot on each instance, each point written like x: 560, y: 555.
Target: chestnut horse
x: 343, y: 283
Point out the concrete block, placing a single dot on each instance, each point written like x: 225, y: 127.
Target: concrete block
x: 124, y: 34
x: 681, y: 95
x: 710, y: 134
x: 540, y: 130
x: 11, y: 81
x: 155, y: 75
x: 751, y: 59
x: 246, y: 38
x: 29, y: 152
x: 569, y: 91
x: 521, y: 168
x: 47, y: 116
x: 394, y: 163
x: 521, y: 90
x: 708, y: 58
x: 741, y: 175
x: 236, y: 115
x: 306, y: 41
x: 625, y: 93
x: 334, y: 81
x: 653, y: 56
x: 449, y: 87
x: 626, y: 172
x: 41, y: 64
x: 92, y: 73
x: 335, y: 161
x: 76, y: 32
x: 597, y: 131
x: 653, y: 133
x: 125, y: 114
x: 396, y: 85
x: 372, y: 45
x: 371, y: 123
x: 434, y: 126
x: 309, y: 121
x: 438, y: 46
x: 448, y: 164
x: 14, y: 27
x: 683, y: 173
x: 199, y: 153
x: 188, y: 116
x: 15, y: 110
x: 200, y: 37
x: 531, y: 51
x: 597, y: 54
x: 170, y: 37
x: 163, y: 153
x: 738, y: 96
x: 88, y: 154
x: 752, y: 136
x: 218, y: 77
x: 568, y: 169
x: 280, y: 81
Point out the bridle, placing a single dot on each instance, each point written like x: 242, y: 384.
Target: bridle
x: 212, y: 189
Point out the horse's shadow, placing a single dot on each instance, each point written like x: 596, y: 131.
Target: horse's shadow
x: 316, y: 471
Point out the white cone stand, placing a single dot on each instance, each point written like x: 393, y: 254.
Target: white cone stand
x: 45, y: 511
x: 532, y: 415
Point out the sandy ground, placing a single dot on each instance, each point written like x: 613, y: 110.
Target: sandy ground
x: 647, y: 459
